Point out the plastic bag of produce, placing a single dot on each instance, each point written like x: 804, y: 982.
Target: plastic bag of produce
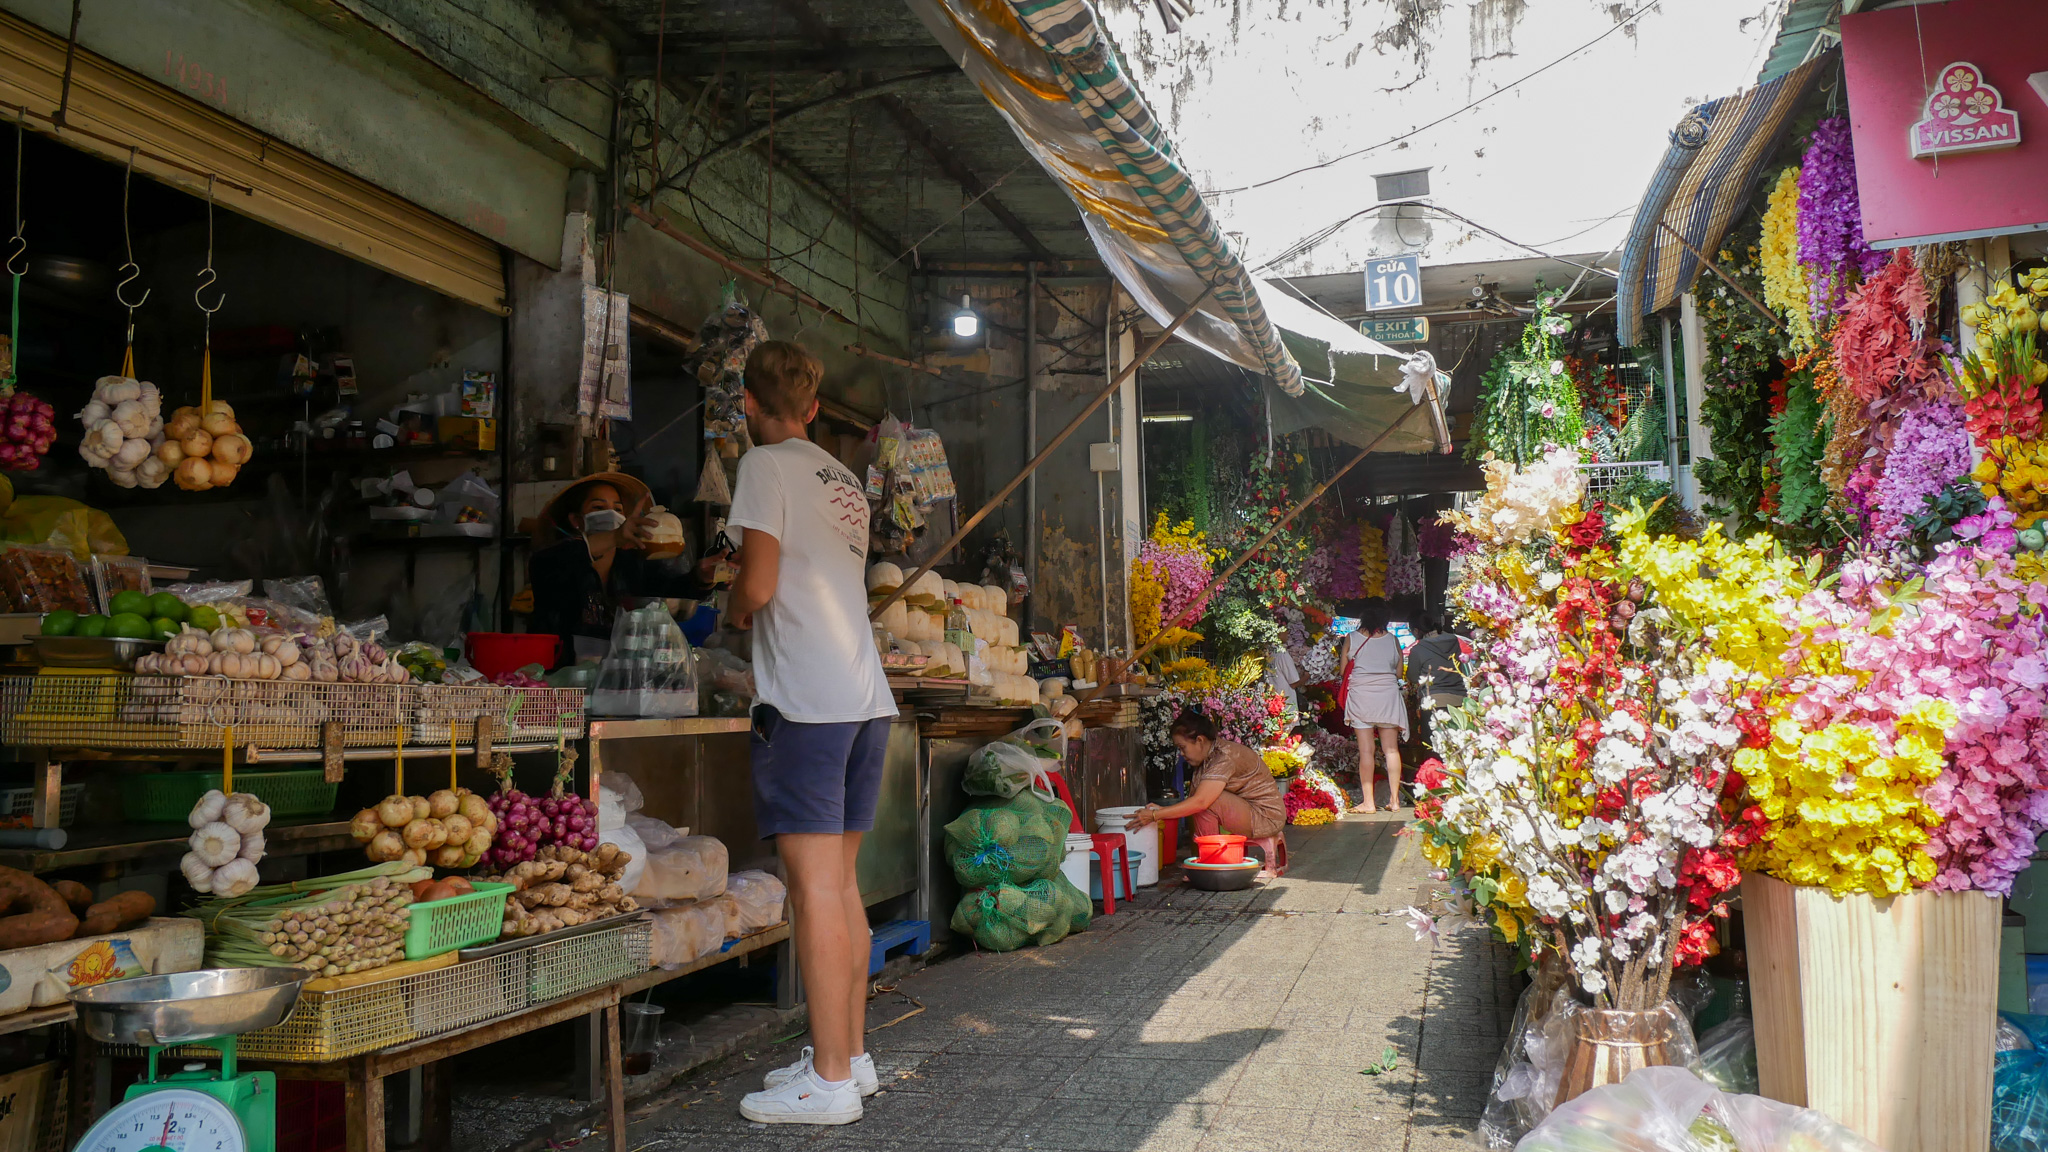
x: 2019, y: 1085
x: 679, y: 868
x: 1012, y: 841
x: 1004, y: 917
x: 1672, y: 1110
x: 1728, y: 1055
x: 687, y: 931
x: 1072, y: 907
x: 61, y: 522
x: 1022, y: 760
x: 757, y: 899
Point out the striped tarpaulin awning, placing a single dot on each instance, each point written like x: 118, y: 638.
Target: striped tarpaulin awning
x: 1049, y: 69
x: 1701, y: 187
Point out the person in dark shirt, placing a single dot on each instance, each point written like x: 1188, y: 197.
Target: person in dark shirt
x: 579, y: 583
x: 1436, y: 669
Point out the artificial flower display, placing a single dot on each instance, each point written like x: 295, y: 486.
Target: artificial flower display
x: 1784, y: 276
x: 1372, y: 560
x: 1831, y: 245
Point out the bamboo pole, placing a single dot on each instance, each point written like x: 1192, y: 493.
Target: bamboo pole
x: 1073, y: 425
x: 1262, y: 541
x: 1716, y: 270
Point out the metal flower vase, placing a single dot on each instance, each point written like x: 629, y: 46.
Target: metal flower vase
x: 1608, y: 1045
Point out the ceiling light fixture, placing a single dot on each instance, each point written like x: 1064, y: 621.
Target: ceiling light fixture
x: 966, y: 324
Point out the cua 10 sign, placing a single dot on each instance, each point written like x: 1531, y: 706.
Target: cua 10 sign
x: 1393, y: 282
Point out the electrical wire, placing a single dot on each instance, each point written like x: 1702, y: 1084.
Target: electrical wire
x: 1619, y: 24
x: 1317, y: 237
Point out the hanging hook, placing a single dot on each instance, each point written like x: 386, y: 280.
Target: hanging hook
x: 207, y: 276
x: 130, y: 271
x: 18, y: 243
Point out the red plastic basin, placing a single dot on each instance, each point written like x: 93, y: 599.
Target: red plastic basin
x: 496, y: 653
x: 1225, y: 849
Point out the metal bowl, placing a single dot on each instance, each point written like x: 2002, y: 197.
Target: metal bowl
x: 184, y: 1006
x: 91, y: 651
x: 1220, y: 877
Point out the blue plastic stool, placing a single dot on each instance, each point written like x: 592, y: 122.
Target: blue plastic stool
x: 886, y: 938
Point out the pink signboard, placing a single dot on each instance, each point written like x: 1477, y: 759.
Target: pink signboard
x: 1949, y: 106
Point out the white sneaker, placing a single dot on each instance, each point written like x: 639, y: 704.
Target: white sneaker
x: 864, y: 1079
x: 803, y: 1100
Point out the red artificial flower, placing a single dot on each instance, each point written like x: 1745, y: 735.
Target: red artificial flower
x: 1430, y: 776
x: 1705, y: 874
x: 1429, y: 808
x: 1587, y: 533
x: 1696, y: 942
x: 1746, y: 829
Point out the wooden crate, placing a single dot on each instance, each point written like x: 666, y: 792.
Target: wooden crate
x: 1879, y: 1013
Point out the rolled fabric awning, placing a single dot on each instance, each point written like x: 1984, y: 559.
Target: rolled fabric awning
x: 1700, y: 187
x: 1049, y: 69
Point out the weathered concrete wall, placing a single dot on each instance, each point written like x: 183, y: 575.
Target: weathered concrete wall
x: 1251, y: 91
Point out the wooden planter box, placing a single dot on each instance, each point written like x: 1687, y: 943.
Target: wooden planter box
x: 1879, y: 1013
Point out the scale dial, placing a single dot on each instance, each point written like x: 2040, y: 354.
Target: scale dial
x: 178, y: 1119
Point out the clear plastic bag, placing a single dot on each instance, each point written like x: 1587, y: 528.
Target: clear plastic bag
x: 618, y: 798
x: 757, y: 901
x: 1728, y: 1055
x: 687, y: 931
x: 2019, y: 1085
x: 1023, y: 759
x: 1672, y: 1110
x: 1525, y: 1079
x: 679, y: 867
x: 306, y: 593
x: 650, y: 669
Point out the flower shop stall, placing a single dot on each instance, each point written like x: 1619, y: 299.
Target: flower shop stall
x: 1809, y: 733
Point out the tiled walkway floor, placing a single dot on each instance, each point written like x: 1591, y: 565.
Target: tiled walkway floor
x: 1213, y: 1022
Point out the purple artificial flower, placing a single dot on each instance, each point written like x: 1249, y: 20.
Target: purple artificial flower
x: 1930, y: 450
x: 1831, y: 243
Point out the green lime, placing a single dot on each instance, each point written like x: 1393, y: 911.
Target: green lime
x: 203, y: 617
x: 127, y: 603
x: 163, y: 628
x: 166, y: 606
x: 129, y: 626
x: 60, y: 623
x: 93, y: 625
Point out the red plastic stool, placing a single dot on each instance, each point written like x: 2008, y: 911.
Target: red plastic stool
x: 1169, y: 842
x: 1108, y: 846
x: 1273, y: 851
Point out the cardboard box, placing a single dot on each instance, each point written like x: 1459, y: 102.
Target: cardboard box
x: 471, y: 433
x: 23, y: 1112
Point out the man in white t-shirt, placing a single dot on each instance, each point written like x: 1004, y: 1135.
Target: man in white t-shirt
x: 821, y: 718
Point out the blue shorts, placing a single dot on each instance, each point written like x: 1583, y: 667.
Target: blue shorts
x: 816, y: 778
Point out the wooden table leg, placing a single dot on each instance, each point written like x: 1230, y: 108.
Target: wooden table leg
x: 586, y: 1075
x: 615, y: 1080
x: 365, y: 1108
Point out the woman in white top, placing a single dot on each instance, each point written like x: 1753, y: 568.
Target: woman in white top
x: 1373, y: 703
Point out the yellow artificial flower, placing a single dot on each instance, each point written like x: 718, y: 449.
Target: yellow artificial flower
x: 1784, y: 276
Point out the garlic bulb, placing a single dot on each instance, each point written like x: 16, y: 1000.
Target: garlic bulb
x: 216, y: 844
x: 197, y: 872
x: 245, y: 813
x: 234, y: 878
x: 208, y: 810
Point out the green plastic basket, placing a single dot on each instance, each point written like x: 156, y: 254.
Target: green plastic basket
x: 169, y: 796
x: 444, y: 925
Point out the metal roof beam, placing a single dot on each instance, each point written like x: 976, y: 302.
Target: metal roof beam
x: 920, y: 134
x: 698, y: 61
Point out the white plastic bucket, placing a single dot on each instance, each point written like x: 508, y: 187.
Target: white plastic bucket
x: 1144, y: 873
x: 1076, y: 865
x: 1116, y: 876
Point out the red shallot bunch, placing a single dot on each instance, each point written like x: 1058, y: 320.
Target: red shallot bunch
x: 27, y: 429
x: 527, y: 825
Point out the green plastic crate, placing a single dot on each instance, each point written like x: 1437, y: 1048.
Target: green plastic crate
x: 457, y: 922
x: 169, y: 796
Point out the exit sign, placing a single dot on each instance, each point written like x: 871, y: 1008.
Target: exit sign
x: 1405, y: 330
x: 1393, y: 282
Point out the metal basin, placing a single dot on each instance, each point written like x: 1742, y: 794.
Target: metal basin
x: 186, y: 1006
x: 1220, y: 877
x: 91, y: 651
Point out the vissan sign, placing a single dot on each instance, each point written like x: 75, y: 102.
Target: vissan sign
x: 1964, y: 114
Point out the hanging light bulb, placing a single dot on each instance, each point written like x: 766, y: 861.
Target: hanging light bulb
x: 965, y: 323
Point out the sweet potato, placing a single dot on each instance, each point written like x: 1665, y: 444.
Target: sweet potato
x: 77, y: 895
x: 116, y: 912
x: 42, y: 917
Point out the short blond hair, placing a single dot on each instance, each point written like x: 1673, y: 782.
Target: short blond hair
x: 784, y: 378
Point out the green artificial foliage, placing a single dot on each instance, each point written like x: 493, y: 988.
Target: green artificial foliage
x: 1742, y: 348
x: 1799, y: 438
x: 1527, y: 399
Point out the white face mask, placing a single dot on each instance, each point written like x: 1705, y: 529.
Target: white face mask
x: 603, y: 520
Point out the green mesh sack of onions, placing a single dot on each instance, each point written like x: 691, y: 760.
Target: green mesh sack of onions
x: 328, y: 925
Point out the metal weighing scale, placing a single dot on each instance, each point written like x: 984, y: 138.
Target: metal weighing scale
x: 196, y: 1109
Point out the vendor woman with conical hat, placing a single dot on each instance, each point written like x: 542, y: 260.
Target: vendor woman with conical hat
x: 604, y: 525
